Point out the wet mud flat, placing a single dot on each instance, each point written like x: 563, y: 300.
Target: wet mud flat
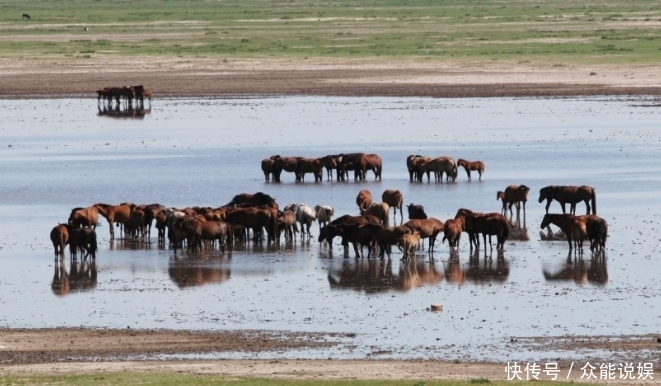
x: 203, y: 152
x: 25, y: 346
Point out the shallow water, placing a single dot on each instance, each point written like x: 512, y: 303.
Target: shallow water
x: 55, y: 155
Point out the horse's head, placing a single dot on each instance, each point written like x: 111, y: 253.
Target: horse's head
x: 461, y: 162
x: 543, y: 194
x: 500, y: 195
x: 545, y: 221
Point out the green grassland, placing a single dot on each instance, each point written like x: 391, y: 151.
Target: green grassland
x: 165, y: 379
x: 561, y: 31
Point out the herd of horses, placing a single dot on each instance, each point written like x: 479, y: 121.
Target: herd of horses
x: 361, y: 163
x: 124, y: 95
x: 203, y: 227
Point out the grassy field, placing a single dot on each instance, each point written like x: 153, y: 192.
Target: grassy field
x: 146, y: 379
x: 562, y: 31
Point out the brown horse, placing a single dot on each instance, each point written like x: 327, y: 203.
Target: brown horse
x: 565, y: 222
x: 513, y: 195
x: 439, y: 166
x: 59, y: 236
x: 409, y: 243
x: 309, y: 165
x: 452, y: 231
x: 380, y: 210
x: 330, y: 163
x: 569, y: 195
x: 370, y: 162
x: 428, y: 228
x: 85, y: 217
x: 364, y: 200
x: 347, y: 162
x: 267, y: 168
x: 115, y: 214
x: 287, y: 164
x: 474, y: 165
x: 395, y: 200
x: 413, y: 163
x: 287, y: 223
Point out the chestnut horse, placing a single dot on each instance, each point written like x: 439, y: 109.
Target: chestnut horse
x: 364, y: 200
x: 115, y: 214
x: 474, y: 165
x: 395, y: 200
x: 59, y: 236
x: 85, y: 217
x: 429, y: 228
x: 569, y: 195
x: 370, y: 162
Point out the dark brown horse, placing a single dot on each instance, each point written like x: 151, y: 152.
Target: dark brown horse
x: 514, y: 195
x: 257, y: 199
x: 474, y: 165
x: 83, y: 239
x: 565, y: 222
x: 416, y: 212
x: 569, y: 195
x: 347, y: 162
x: 267, y: 168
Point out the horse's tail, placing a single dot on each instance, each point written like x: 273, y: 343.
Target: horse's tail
x: 454, y: 171
x: 505, y: 233
x: 593, y: 197
x: 229, y: 238
x: 444, y: 238
x: 93, y: 245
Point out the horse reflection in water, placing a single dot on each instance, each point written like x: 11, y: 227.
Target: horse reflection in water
x: 197, y: 271
x: 81, y: 277
x: 480, y: 271
x: 518, y: 232
x: 374, y: 276
x: 117, y: 113
x: 577, y: 270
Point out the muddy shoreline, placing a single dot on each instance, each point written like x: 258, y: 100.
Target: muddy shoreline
x: 25, y: 346
x: 249, y: 78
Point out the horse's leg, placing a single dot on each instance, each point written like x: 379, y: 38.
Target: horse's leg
x: 480, y: 172
x: 563, y: 208
x: 548, y: 204
x: 587, y: 205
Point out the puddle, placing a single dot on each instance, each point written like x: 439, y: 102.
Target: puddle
x: 55, y: 155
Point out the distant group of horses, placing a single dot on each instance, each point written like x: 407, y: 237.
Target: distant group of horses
x: 194, y: 227
x: 361, y: 163
x: 125, y: 95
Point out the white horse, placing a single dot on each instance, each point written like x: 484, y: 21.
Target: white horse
x: 324, y: 214
x: 304, y: 216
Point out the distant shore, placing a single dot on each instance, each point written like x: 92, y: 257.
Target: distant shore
x: 335, y: 77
